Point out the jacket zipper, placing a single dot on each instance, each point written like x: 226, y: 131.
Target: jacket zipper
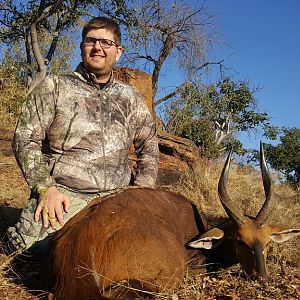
x: 102, y: 138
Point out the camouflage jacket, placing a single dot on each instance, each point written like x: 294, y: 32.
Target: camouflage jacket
x: 74, y: 134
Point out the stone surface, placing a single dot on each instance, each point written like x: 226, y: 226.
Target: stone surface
x: 176, y: 156
x: 183, y: 149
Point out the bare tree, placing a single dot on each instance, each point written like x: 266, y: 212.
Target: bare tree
x: 170, y: 31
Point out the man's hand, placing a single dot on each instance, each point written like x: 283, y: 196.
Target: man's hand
x: 50, y: 206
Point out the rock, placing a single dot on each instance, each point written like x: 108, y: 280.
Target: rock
x: 183, y: 149
x: 176, y: 156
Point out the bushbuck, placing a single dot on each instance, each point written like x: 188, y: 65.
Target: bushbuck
x: 144, y: 239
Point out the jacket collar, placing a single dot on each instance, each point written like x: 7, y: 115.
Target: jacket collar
x: 90, y: 77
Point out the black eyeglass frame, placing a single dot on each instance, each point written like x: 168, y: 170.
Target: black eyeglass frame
x: 104, y: 43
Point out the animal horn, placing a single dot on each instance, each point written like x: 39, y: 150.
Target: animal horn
x: 232, y: 213
x: 267, y: 182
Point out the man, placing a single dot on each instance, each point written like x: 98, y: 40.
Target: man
x: 73, y: 137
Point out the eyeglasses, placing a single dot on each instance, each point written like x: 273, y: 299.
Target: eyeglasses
x: 104, y: 43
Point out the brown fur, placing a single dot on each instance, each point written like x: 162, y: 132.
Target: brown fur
x: 136, y: 237
x: 142, y: 239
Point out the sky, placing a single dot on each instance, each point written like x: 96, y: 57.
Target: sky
x: 264, y: 39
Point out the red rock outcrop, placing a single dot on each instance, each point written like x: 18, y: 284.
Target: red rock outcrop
x: 176, y: 156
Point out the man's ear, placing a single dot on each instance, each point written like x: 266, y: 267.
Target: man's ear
x: 81, y: 47
x: 119, y: 52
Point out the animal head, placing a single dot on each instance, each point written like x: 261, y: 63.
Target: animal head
x: 250, y: 236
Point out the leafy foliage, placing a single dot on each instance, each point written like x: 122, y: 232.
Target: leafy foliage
x: 271, y: 132
x: 212, y: 115
x: 13, y: 91
x: 39, y: 26
x: 199, y: 131
x: 285, y: 157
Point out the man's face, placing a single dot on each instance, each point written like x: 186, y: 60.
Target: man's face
x: 98, y: 60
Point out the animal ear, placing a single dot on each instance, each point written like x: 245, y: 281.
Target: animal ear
x: 280, y: 234
x: 209, y: 240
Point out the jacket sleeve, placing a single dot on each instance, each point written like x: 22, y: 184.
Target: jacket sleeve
x: 36, y: 117
x: 146, y: 146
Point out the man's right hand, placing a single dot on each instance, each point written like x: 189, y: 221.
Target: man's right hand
x: 51, y: 206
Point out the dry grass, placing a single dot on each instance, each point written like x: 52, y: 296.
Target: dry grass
x: 245, y: 188
x: 230, y: 285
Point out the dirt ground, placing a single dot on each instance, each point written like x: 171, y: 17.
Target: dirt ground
x: 21, y: 280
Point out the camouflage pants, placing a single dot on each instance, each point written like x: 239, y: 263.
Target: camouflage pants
x: 30, y: 234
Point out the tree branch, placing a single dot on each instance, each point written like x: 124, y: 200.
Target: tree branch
x: 54, y: 42
x: 183, y: 85
x: 165, y: 51
x: 172, y: 94
x: 44, y: 14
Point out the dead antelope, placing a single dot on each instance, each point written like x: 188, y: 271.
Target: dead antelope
x: 247, y: 237
x: 144, y: 238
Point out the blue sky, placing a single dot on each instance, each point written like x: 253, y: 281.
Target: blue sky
x: 264, y: 48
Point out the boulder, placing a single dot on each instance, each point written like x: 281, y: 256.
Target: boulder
x: 176, y: 156
x: 182, y: 149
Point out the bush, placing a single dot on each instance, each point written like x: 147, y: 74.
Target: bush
x: 13, y: 94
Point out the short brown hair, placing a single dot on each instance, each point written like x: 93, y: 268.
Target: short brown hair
x: 103, y: 22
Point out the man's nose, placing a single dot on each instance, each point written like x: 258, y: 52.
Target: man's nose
x: 98, y: 45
